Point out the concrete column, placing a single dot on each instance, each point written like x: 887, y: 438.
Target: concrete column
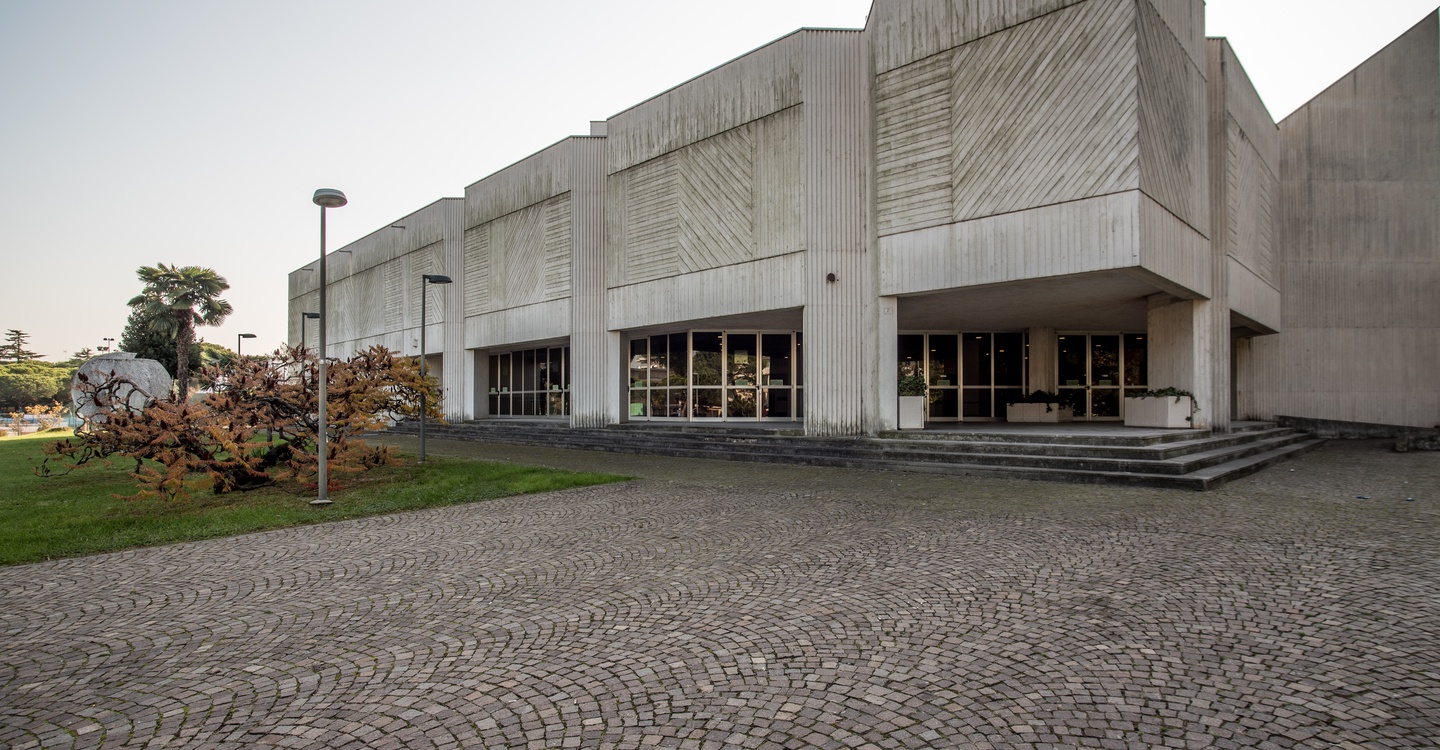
x: 1044, y: 352
x: 477, y: 375
x: 589, y: 359
x: 887, y: 385
x: 1182, y: 350
x: 454, y: 376
x: 837, y: 208
x: 616, y: 378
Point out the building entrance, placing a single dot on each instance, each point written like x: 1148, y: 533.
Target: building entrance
x: 1095, y: 371
x: 968, y: 376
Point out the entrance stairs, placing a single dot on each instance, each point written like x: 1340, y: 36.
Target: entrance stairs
x: 1183, y: 459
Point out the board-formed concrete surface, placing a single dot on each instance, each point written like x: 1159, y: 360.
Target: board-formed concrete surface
x: 715, y: 605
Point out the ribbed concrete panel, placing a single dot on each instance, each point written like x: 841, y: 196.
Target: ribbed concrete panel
x: 1250, y: 196
x: 589, y: 378
x: 717, y: 201
x: 778, y: 148
x: 512, y: 327
x: 427, y: 260
x: 1076, y: 237
x: 1069, y: 132
x: 558, y: 247
x: 904, y: 31
x: 532, y: 180
x: 393, y: 301
x: 477, y: 270
x: 1175, y: 251
x: 1173, y: 160
x: 518, y: 247
x: 1185, y: 21
x: 1359, y: 248
x: 837, y: 207
x: 759, y: 84
x: 1243, y: 104
x: 913, y: 145
x: 307, y: 302
x: 767, y: 284
x: 651, y: 221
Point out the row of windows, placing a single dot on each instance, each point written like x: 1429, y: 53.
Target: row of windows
x: 760, y: 374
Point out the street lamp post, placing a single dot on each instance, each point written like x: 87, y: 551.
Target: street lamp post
x: 428, y: 278
x: 110, y: 346
x: 238, y: 339
x: 304, y: 317
x: 324, y: 198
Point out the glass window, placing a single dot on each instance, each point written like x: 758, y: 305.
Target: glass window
x: 659, y: 361
x: 910, y: 354
x: 705, y: 359
x: 679, y: 359
x: 742, y: 359
x: 1010, y: 359
x: 944, y: 360
x: 1136, y: 362
x: 775, y: 353
x: 639, y: 362
x: 978, y: 360
x: 530, y: 382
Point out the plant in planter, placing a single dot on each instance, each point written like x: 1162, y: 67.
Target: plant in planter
x: 912, y: 402
x: 1038, y: 406
x: 1161, y: 407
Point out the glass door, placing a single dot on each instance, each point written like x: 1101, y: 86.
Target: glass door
x: 1090, y: 367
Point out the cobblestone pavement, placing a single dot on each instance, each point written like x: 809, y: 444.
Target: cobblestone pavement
x: 715, y: 605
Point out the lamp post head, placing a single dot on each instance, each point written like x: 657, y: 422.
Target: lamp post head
x: 247, y: 335
x: 329, y: 198
x: 436, y: 278
x: 311, y: 315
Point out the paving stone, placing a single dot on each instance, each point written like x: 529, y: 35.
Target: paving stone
x: 708, y: 604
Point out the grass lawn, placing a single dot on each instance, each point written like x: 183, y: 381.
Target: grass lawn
x: 78, y: 514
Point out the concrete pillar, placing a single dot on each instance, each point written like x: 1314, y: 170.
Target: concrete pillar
x: 1182, y: 348
x: 454, y: 377
x: 478, y: 367
x: 1043, y: 354
x: 616, y: 378
x: 842, y: 350
x: 887, y: 384
x: 589, y: 358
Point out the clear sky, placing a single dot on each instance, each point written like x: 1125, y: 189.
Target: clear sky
x: 194, y: 133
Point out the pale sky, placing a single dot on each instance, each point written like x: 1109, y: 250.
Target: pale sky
x: 194, y: 133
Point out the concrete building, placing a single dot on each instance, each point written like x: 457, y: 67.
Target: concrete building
x: 1080, y: 196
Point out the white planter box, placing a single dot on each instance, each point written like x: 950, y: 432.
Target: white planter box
x: 912, y: 412
x: 1038, y: 413
x: 1168, y: 412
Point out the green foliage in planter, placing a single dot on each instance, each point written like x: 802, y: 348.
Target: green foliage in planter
x: 1174, y: 393
x: 912, y: 385
x: 1038, y: 397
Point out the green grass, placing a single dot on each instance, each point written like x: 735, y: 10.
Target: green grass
x: 79, y: 514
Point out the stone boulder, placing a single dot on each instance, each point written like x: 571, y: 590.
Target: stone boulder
x: 118, y: 380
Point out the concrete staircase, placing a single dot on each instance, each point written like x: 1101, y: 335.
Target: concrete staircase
x: 1185, y: 459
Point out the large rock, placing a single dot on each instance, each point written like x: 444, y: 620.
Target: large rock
x: 118, y: 380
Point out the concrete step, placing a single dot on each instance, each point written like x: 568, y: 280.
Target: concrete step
x: 1191, y: 459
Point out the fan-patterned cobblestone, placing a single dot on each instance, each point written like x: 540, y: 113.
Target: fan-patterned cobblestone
x: 715, y: 605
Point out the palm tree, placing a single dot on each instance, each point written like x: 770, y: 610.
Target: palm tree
x: 178, y: 299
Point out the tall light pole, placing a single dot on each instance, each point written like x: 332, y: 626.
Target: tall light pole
x: 238, y: 339
x: 304, y: 317
x: 324, y: 198
x: 109, y: 346
x: 428, y: 278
